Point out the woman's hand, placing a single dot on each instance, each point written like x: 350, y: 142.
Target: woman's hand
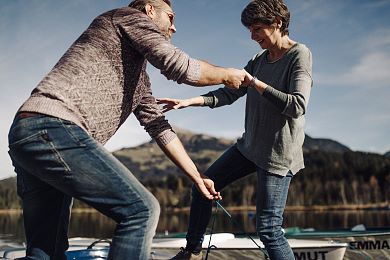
x: 172, y: 103
x: 251, y: 81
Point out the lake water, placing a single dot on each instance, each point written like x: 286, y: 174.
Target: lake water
x: 93, y: 224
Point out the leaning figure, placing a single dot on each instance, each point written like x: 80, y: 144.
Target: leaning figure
x: 57, y: 137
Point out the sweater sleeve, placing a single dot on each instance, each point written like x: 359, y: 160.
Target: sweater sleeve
x: 147, y: 39
x: 153, y: 120
x: 223, y: 96
x: 301, y: 82
x: 208, y: 99
x: 294, y: 102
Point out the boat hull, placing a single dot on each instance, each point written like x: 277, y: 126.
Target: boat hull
x: 362, y: 245
x: 227, y: 246
x: 253, y: 254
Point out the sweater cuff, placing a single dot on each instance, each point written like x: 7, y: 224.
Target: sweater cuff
x: 209, y: 99
x: 165, y: 137
x: 193, y: 72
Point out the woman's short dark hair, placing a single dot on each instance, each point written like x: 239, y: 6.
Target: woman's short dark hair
x: 140, y: 4
x: 266, y: 11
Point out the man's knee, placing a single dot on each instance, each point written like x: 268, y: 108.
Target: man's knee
x: 144, y: 211
x: 154, y: 208
x: 150, y: 208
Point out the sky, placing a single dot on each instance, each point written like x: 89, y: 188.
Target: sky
x: 349, y: 40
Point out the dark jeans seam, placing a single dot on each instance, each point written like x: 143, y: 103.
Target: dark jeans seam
x: 59, y: 226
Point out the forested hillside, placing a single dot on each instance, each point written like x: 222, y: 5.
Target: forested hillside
x: 334, y: 175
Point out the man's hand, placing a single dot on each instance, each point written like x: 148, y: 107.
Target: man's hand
x: 206, y: 187
x: 235, y: 78
x: 215, y: 75
x: 248, y: 79
x: 176, y: 152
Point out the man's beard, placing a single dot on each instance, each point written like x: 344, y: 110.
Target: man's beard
x: 163, y: 29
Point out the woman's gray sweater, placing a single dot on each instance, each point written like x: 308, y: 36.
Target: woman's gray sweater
x: 274, y: 121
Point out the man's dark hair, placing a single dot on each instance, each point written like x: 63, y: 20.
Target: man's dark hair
x: 140, y: 4
x: 266, y: 11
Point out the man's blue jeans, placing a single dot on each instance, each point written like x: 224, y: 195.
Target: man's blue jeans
x: 271, y: 200
x: 56, y: 160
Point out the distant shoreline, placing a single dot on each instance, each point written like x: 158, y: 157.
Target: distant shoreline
x: 316, y: 208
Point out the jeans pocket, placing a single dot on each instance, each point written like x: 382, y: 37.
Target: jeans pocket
x: 18, y: 142
x: 75, y: 132
x: 38, y: 154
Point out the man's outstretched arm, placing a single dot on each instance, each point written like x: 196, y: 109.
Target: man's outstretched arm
x: 176, y: 152
x: 215, y: 75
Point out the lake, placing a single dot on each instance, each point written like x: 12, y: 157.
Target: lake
x: 93, y: 224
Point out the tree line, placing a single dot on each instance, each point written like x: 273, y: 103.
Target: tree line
x: 349, y: 178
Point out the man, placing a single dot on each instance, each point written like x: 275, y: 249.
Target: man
x: 56, y: 140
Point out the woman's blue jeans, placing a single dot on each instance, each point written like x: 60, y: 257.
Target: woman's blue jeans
x: 271, y: 200
x: 56, y: 160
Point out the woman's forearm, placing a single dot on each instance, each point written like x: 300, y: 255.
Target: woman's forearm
x: 196, y: 101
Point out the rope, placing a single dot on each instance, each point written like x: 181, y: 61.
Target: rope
x: 98, y: 242
x: 218, y: 205
x: 211, y: 232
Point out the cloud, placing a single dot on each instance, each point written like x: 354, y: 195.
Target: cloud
x: 378, y: 3
x: 378, y: 119
x: 371, y: 69
x: 312, y: 12
x: 378, y: 39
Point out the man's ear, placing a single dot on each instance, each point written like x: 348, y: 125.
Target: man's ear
x: 278, y: 22
x: 150, y: 10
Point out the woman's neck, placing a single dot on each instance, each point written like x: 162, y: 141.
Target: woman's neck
x: 280, y: 47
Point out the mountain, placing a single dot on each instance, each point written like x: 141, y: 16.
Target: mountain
x: 8, y: 196
x: 325, y: 145
x: 147, y: 160
x: 387, y: 154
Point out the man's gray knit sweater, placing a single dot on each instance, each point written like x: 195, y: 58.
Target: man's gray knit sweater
x: 274, y: 121
x: 101, y: 79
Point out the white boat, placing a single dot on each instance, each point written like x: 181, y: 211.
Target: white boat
x: 228, y: 246
x: 224, y: 246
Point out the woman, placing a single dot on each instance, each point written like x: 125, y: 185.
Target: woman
x: 271, y: 146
